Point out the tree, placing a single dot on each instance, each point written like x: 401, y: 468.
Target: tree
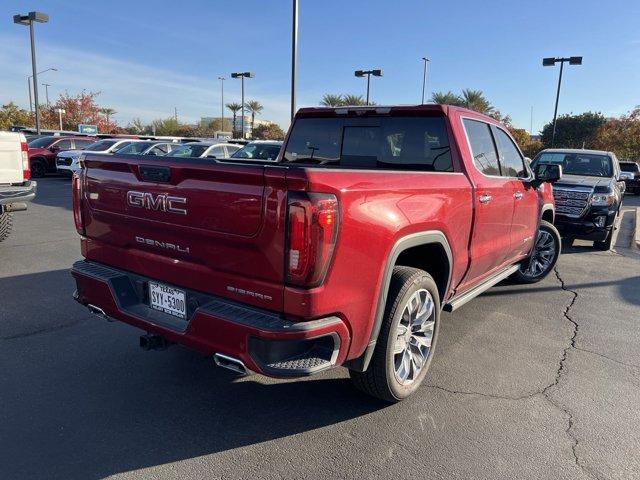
x: 357, y: 100
x: 528, y: 146
x: 331, y: 100
x: 475, y: 100
x: 137, y: 127
x: 79, y: 109
x: 268, y: 132
x: 573, y: 131
x: 166, y: 127
x: 11, y: 114
x: 448, y: 98
x: 254, y: 108
x: 107, y: 112
x: 235, y: 108
x: 620, y: 135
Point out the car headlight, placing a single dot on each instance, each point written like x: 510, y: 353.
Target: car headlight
x: 603, y: 199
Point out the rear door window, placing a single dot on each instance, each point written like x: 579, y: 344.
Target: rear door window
x: 64, y: 145
x: 511, y: 162
x: 485, y: 157
x: 398, y: 143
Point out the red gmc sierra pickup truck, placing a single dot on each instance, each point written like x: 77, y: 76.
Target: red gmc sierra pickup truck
x: 342, y: 252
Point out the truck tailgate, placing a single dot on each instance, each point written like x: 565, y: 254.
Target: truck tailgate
x: 10, y: 158
x: 213, y: 227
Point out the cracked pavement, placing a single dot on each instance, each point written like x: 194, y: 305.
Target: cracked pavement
x: 535, y: 381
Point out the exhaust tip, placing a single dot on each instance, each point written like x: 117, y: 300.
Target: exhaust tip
x: 99, y: 312
x: 230, y: 363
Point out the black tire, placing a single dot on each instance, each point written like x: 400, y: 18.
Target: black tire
x: 379, y: 380
x: 606, y: 243
x: 531, y: 275
x: 38, y: 167
x: 6, y: 224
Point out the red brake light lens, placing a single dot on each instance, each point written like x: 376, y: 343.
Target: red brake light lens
x: 26, y: 168
x: 76, y: 193
x: 312, y: 231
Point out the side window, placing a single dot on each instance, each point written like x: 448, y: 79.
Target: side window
x: 231, y: 149
x: 217, y: 151
x: 483, y: 149
x: 510, y: 160
x: 82, y: 144
x: 64, y: 145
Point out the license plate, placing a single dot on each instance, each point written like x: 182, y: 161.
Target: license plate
x: 168, y: 299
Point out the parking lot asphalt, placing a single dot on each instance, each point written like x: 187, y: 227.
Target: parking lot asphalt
x: 537, y: 381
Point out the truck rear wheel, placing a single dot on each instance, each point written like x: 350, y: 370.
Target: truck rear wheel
x: 6, y: 223
x: 544, y: 256
x: 407, y: 337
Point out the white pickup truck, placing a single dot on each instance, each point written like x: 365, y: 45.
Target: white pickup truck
x: 16, y: 188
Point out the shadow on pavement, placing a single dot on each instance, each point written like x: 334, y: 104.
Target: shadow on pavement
x: 83, y: 401
x: 627, y: 288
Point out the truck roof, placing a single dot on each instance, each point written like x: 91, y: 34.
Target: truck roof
x: 389, y: 109
x: 576, y: 150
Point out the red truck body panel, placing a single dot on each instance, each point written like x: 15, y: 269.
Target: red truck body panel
x: 231, y: 241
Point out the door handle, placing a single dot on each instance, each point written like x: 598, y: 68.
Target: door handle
x: 485, y: 198
x: 518, y: 195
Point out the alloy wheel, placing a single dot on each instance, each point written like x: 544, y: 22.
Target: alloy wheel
x: 414, y: 335
x: 544, y: 252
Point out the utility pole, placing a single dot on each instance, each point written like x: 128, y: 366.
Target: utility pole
x: 175, y: 113
x: 46, y: 90
x: 222, y: 79
x: 424, y: 77
x: 294, y: 57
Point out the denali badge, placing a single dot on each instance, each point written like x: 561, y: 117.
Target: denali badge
x: 161, y: 202
x: 165, y: 245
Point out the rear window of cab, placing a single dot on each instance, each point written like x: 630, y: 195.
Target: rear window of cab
x: 395, y: 143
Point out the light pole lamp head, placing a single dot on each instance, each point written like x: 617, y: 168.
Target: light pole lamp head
x: 28, y: 18
x: 243, y: 74
x: 60, y: 110
x: 377, y: 73
x: 575, y: 60
x: 548, y: 62
x: 359, y: 73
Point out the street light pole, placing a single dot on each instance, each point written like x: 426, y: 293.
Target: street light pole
x: 60, y: 112
x: 424, y: 77
x: 28, y: 19
x: 361, y: 73
x: 241, y: 76
x: 46, y: 91
x: 222, y: 79
x: 29, y: 84
x: 294, y: 57
x: 549, y: 62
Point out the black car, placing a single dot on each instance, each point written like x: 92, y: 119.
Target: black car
x: 589, y: 195
x: 630, y: 173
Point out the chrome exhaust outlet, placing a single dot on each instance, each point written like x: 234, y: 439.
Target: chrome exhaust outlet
x: 99, y: 312
x: 231, y: 363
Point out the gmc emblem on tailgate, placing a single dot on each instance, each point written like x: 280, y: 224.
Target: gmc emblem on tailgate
x: 161, y: 202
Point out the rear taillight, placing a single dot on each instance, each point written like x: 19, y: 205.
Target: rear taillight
x: 26, y: 169
x: 311, y: 236
x: 76, y: 193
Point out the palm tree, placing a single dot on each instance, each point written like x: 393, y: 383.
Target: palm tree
x: 475, y: 100
x: 448, y: 98
x: 235, y: 108
x: 254, y: 108
x: 107, y: 111
x: 355, y: 100
x: 332, y: 100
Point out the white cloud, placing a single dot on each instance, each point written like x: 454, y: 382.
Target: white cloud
x: 132, y: 89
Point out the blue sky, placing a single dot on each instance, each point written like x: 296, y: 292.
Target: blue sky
x: 147, y: 57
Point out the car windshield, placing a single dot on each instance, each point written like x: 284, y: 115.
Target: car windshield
x: 134, y: 148
x: 100, y: 146
x: 629, y: 167
x: 587, y: 164
x: 42, y: 142
x: 189, y: 150
x: 258, y: 151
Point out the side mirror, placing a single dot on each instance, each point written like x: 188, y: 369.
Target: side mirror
x: 547, y: 172
x: 54, y: 148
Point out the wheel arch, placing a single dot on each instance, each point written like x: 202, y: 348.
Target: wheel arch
x: 548, y: 212
x: 409, y: 251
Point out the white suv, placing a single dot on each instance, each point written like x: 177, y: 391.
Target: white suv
x: 67, y: 161
x: 16, y: 188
